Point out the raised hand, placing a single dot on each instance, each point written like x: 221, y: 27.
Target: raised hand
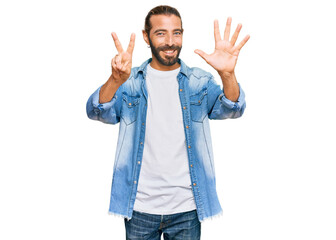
x: 225, y: 56
x: 122, y: 62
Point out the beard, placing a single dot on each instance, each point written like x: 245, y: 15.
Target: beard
x: 168, y: 61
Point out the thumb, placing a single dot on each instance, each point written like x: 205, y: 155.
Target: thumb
x: 202, y: 54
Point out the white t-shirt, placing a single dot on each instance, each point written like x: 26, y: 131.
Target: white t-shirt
x: 164, y: 185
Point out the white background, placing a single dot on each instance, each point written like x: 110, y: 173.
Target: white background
x: 275, y: 166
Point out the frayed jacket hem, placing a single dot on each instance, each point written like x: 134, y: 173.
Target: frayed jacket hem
x: 118, y: 215
x: 212, y: 217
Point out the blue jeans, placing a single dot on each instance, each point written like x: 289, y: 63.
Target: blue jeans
x: 144, y: 226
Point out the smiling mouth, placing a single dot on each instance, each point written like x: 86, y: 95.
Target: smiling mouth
x: 169, y: 52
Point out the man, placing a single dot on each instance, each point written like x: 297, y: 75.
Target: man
x: 164, y: 177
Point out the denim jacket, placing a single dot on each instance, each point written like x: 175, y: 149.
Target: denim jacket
x: 201, y: 99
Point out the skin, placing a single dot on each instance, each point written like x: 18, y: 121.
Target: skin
x: 224, y: 58
x: 121, y: 69
x: 167, y: 33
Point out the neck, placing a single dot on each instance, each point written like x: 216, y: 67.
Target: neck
x: 158, y: 66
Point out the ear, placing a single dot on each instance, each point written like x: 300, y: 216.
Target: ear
x: 145, y: 36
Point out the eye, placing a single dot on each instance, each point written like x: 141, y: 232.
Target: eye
x: 159, y: 34
x: 177, y: 33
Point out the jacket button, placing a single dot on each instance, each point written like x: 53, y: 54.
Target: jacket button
x: 141, y: 143
x: 135, y: 182
x: 189, y: 146
x: 194, y: 184
x: 184, y: 107
x: 130, y: 104
x: 190, y: 165
x: 180, y: 89
x: 143, y: 123
x: 187, y: 126
x: 138, y: 162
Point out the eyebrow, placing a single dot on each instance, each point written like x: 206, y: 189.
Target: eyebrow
x: 165, y: 30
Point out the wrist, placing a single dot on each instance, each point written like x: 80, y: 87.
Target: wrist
x: 114, y: 82
x: 226, y: 75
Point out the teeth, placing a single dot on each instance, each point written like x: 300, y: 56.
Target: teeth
x: 171, y: 51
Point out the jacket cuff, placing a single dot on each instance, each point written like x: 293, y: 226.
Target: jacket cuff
x: 98, y: 107
x: 235, y: 106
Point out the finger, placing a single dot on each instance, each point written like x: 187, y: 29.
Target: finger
x: 118, y: 59
x: 242, y: 43
x: 235, y: 35
x: 131, y: 44
x: 123, y: 69
x: 216, y: 31
x: 117, y: 43
x: 114, y: 65
x: 118, y: 62
x: 227, y: 29
x: 202, y: 54
x: 114, y: 61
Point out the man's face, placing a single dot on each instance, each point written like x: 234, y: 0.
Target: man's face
x: 165, y: 39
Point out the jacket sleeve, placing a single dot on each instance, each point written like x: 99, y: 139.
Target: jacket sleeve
x: 108, y: 112
x: 219, y: 107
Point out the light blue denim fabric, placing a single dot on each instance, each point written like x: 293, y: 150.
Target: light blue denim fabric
x: 201, y: 99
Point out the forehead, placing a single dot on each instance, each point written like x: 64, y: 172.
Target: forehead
x: 168, y: 22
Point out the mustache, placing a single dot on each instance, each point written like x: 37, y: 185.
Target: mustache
x: 168, y: 48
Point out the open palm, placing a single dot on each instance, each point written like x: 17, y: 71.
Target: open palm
x: 224, y: 58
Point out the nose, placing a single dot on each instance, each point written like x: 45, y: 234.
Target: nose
x: 170, y: 40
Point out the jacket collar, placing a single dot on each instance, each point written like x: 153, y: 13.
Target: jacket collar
x: 143, y: 68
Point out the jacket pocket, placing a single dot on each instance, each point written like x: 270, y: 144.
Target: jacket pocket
x: 198, y: 105
x: 130, y: 107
